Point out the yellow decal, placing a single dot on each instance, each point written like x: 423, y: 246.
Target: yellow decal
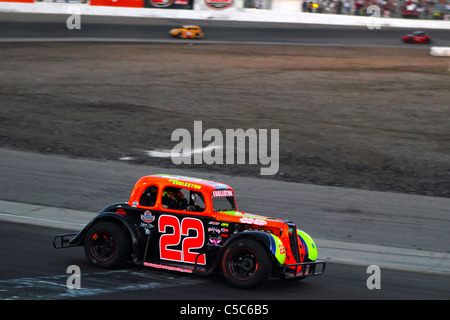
x: 185, y: 184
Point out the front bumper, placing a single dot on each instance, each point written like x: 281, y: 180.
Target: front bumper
x: 304, y: 269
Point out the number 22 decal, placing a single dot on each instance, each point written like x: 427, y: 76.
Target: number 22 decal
x: 174, y: 238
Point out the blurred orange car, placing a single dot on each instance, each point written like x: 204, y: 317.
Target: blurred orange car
x: 187, y: 32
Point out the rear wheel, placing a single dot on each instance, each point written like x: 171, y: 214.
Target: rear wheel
x: 246, y: 264
x: 107, y: 245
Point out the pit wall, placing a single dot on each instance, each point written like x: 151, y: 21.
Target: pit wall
x: 281, y: 11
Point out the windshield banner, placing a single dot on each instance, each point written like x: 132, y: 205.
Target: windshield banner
x: 222, y: 193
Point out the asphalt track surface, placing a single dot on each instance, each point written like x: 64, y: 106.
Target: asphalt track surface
x: 35, y: 265
x: 38, y: 27
x: 37, y: 271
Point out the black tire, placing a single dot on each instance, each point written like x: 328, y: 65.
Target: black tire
x: 107, y: 245
x: 246, y: 264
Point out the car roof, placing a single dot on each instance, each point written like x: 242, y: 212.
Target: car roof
x: 190, y: 26
x: 168, y: 180
x: 183, y: 181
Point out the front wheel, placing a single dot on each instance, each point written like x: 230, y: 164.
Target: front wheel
x: 107, y: 245
x: 246, y: 264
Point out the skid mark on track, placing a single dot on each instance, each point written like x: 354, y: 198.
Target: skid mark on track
x: 55, y: 287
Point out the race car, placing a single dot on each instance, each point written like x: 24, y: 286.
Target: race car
x: 416, y: 37
x: 187, y: 32
x: 193, y: 226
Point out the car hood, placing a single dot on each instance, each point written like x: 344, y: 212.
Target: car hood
x: 249, y: 218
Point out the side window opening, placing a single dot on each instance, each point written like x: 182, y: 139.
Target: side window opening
x: 223, y: 200
x: 148, y: 198
x: 183, y: 199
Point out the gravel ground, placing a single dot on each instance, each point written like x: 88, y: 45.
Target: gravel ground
x: 369, y: 118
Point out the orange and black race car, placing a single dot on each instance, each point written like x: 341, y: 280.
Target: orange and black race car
x: 193, y: 226
x: 185, y: 32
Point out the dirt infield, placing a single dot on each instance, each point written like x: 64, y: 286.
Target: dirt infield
x: 371, y: 118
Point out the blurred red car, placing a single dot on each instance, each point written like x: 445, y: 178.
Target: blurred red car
x: 416, y: 37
